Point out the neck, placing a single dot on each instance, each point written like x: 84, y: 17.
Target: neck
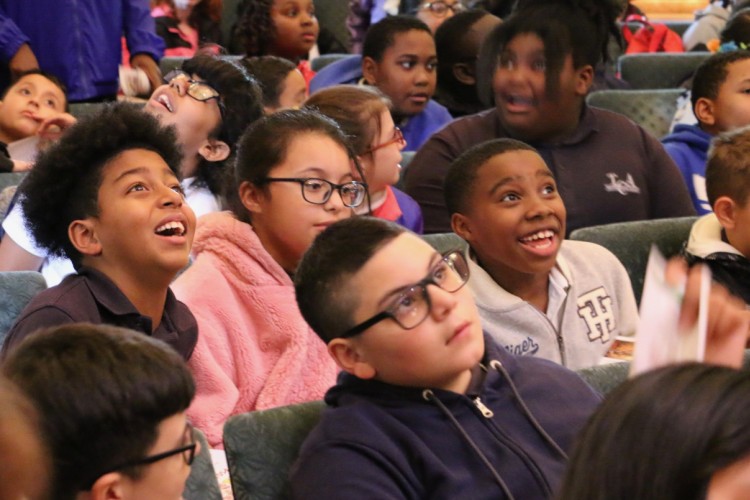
x: 276, y: 248
x: 532, y: 288
x: 182, y: 15
x: 5, y: 138
x: 147, y: 293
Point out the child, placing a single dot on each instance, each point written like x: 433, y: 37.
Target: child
x: 426, y: 407
x: 187, y: 25
x: 35, y: 99
x: 720, y: 104
x: 282, y: 83
x: 111, y: 203
x: 283, y: 28
x: 722, y: 239
x: 112, y: 405
x: 457, y: 42
x: 210, y: 103
x: 364, y: 115
x: 538, y: 65
x: 294, y: 177
x: 538, y: 295
x: 25, y: 470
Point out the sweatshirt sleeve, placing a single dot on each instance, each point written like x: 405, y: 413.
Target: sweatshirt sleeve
x: 140, y: 30
x: 11, y: 37
x: 669, y: 193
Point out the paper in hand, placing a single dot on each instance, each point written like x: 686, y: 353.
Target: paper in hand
x: 658, y: 341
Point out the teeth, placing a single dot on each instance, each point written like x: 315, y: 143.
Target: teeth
x: 171, y: 229
x: 165, y: 101
x: 546, y: 233
x: 516, y: 99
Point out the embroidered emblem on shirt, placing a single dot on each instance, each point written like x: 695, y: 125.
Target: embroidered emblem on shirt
x: 528, y: 347
x: 621, y: 186
x: 595, y: 308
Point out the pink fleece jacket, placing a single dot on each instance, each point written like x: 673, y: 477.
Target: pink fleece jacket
x: 254, y: 349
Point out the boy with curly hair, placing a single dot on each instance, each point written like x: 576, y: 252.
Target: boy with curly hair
x: 108, y: 197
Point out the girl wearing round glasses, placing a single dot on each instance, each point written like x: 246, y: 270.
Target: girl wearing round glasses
x: 364, y: 115
x: 294, y: 177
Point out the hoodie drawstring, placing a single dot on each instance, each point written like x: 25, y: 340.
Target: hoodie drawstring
x: 497, y: 365
x: 428, y: 395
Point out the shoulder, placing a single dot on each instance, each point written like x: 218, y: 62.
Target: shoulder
x: 586, y: 260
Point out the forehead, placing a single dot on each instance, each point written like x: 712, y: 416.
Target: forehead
x: 137, y: 160
x: 41, y: 83
x: 315, y: 150
x: 281, y: 4
x: 518, y: 164
x: 738, y: 70
x: 525, y: 43
x: 481, y: 28
x: 415, y: 42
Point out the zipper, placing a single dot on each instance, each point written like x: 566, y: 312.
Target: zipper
x: 556, y: 331
x: 486, y: 412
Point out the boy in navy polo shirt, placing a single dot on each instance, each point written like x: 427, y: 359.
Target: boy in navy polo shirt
x: 108, y: 197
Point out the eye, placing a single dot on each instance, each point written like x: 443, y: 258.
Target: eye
x: 549, y: 189
x: 406, y: 302
x: 431, y: 66
x: 440, y: 272
x: 178, y: 189
x: 506, y: 62
x: 539, y: 65
x: 407, y: 64
x: 292, y: 13
x: 137, y: 187
x: 314, y: 185
x: 510, y: 197
x: 51, y: 103
x: 24, y: 91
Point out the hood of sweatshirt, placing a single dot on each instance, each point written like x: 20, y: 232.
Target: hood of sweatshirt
x: 692, y: 135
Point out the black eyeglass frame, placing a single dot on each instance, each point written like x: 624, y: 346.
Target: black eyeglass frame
x: 428, y: 280
x: 192, y: 84
x: 338, y: 187
x: 455, y: 8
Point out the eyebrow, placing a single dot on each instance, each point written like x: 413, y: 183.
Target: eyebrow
x: 141, y: 170
x: 512, y: 178
x: 434, y: 259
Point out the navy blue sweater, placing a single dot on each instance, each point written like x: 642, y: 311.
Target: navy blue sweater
x: 378, y: 440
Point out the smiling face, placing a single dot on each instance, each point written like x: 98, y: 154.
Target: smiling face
x: 194, y: 120
x: 296, y: 28
x: 526, y: 107
x: 382, y: 166
x: 284, y: 221
x: 30, y: 101
x: 144, y: 228
x: 731, y: 107
x: 515, y: 220
x: 407, y: 71
x: 440, y: 352
x: 164, y: 479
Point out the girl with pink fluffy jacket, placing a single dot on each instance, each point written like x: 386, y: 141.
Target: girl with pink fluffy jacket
x: 294, y: 177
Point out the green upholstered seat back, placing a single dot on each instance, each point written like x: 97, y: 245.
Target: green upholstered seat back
x: 17, y: 288
x: 661, y: 70
x: 261, y: 447
x: 443, y: 242
x: 651, y: 109
x: 631, y: 242
x: 202, y: 483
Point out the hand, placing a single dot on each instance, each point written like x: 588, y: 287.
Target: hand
x: 52, y: 128
x: 23, y: 60
x: 149, y: 66
x: 728, y: 327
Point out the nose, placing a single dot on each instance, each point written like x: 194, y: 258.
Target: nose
x: 538, y: 208
x: 335, y: 203
x: 306, y: 18
x: 442, y: 302
x: 170, y: 197
x: 180, y: 85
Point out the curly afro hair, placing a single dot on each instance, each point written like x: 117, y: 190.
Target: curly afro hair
x: 64, y: 184
x: 255, y: 29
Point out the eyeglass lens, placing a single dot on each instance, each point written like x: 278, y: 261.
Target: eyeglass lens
x: 318, y: 191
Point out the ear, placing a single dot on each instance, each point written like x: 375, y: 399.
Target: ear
x: 704, y: 111
x: 724, y: 209
x: 370, y: 70
x: 214, y: 150
x: 82, y: 234
x: 461, y: 225
x: 585, y: 79
x: 108, y: 487
x: 465, y: 73
x: 348, y: 356
x: 251, y: 197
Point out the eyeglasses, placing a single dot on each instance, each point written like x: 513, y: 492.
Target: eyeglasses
x: 318, y: 191
x: 187, y: 451
x: 413, y: 305
x: 440, y: 8
x: 398, y: 137
x: 200, y: 91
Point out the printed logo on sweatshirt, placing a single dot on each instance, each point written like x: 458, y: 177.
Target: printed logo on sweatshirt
x: 595, y: 308
x: 528, y: 347
x: 621, y: 186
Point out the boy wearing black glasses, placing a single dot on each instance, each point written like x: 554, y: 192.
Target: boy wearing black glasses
x: 112, y: 403
x: 425, y: 408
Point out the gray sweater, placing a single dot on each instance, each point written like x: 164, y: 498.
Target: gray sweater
x: 598, y: 306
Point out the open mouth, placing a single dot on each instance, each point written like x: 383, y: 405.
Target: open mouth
x: 540, y: 240
x: 164, y: 100
x: 419, y: 98
x: 174, y: 228
x: 519, y: 102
